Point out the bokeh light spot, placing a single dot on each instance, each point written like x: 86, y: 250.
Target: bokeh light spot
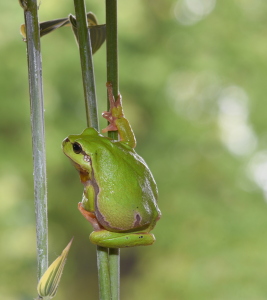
x: 235, y: 131
x: 257, y: 170
x: 193, y: 95
x: 189, y: 12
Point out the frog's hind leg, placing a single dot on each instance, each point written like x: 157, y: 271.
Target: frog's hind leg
x: 90, y: 217
x: 110, y: 239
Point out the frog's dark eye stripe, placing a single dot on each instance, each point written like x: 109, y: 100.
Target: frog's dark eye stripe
x: 77, y: 148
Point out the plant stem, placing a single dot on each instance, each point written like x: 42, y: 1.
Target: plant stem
x: 86, y: 64
x: 38, y: 132
x: 114, y: 266
x: 103, y: 267
x: 112, y: 44
x: 112, y: 76
x: 92, y: 121
x: 112, y: 47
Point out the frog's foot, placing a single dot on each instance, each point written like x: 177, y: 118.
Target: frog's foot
x: 105, y: 238
x: 115, y: 111
x: 90, y: 217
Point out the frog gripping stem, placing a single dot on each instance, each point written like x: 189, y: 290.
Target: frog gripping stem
x: 116, y: 119
x: 115, y: 111
x: 104, y: 238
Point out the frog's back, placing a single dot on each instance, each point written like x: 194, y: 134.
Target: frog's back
x: 128, y: 193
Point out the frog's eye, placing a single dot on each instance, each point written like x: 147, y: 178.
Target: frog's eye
x: 77, y: 148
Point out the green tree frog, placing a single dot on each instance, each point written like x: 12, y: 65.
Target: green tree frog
x: 120, y: 193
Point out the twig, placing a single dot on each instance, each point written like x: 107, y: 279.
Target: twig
x: 38, y: 133
x: 86, y: 64
x: 92, y: 121
x: 112, y: 76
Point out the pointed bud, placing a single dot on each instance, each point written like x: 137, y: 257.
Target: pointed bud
x: 23, y: 4
x: 48, y: 284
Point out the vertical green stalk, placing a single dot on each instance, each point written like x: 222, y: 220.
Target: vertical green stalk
x: 112, y: 44
x: 103, y: 268
x: 86, y: 64
x: 112, y: 76
x: 92, y: 121
x: 38, y: 132
x: 114, y: 266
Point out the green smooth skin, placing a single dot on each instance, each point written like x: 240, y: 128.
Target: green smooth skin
x: 119, y: 189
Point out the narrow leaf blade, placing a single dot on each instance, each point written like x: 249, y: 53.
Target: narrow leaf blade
x: 48, y: 284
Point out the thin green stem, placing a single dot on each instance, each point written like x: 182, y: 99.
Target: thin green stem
x: 92, y: 121
x: 103, y: 273
x: 86, y: 64
x: 114, y: 266
x: 112, y: 44
x: 112, y: 76
x: 38, y: 132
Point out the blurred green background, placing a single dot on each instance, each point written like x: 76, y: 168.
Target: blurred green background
x: 193, y: 79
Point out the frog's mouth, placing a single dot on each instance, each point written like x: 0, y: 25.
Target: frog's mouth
x: 84, y: 175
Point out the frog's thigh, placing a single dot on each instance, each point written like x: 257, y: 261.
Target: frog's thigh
x: 110, y: 239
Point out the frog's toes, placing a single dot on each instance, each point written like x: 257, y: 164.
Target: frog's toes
x: 110, y: 127
x: 107, y: 115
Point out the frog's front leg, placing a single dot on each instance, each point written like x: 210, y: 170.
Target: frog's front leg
x: 90, y: 217
x: 116, y: 119
x: 115, y: 110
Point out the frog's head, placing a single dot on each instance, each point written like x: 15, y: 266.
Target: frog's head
x: 81, y: 149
